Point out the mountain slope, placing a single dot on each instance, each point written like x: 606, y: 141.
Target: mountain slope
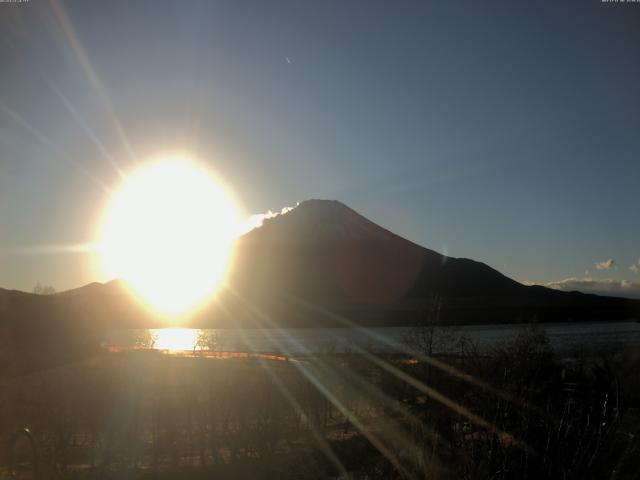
x: 337, y: 249
x: 324, y: 255
x: 323, y: 264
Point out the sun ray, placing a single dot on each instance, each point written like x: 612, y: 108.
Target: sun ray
x: 436, y: 395
x: 326, y: 381
x: 401, y: 347
x: 44, y: 140
x: 415, y: 383
x: 94, y: 79
x: 51, y: 249
x: 85, y: 128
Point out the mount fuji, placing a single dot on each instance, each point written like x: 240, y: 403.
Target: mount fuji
x: 323, y: 264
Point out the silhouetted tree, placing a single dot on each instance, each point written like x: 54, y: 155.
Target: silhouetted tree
x: 40, y: 289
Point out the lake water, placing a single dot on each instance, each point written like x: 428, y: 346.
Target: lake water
x: 564, y: 337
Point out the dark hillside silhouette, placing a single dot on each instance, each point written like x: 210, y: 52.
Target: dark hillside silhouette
x: 325, y: 255
x: 323, y: 263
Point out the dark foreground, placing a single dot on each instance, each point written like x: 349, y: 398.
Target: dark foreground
x: 518, y: 412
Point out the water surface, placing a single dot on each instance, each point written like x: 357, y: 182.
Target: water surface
x: 563, y: 337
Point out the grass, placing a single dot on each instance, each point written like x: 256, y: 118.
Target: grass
x: 516, y: 413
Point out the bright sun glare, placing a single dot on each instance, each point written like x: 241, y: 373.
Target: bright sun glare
x: 168, y: 233
x: 175, y: 339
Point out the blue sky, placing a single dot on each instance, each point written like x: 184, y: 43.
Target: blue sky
x: 499, y: 131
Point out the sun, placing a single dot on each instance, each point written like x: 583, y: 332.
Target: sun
x: 168, y: 232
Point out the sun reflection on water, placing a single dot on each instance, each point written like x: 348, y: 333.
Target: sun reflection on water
x: 175, y: 339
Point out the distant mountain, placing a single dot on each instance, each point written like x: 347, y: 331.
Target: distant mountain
x: 323, y: 264
x: 323, y: 261
x: 27, y: 317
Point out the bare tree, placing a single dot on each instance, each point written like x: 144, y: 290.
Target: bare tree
x: 40, y: 289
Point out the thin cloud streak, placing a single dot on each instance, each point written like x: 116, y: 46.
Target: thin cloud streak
x: 598, y: 286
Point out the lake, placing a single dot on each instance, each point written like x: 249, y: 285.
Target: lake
x: 564, y: 338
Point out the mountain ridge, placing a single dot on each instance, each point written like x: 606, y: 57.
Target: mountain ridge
x: 325, y: 255
x: 376, y: 269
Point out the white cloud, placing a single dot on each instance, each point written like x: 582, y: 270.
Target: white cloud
x: 599, y: 286
x: 257, y: 219
x: 606, y: 264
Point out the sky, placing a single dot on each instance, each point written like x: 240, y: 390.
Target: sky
x: 506, y: 132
